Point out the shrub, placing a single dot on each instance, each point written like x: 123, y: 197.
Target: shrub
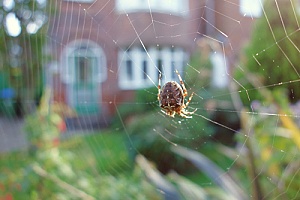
x: 152, y: 134
x: 145, y: 100
x: 272, y: 57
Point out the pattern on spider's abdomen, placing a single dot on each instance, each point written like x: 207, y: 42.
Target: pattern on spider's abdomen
x: 171, y: 95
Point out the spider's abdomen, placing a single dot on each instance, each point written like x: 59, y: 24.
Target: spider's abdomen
x: 171, y: 95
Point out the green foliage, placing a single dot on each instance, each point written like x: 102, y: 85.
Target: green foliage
x: 265, y: 165
x: 43, y: 127
x: 13, y: 170
x: 272, y: 57
x: 175, y: 186
x: 111, y: 148
x: 199, y: 68
x: 23, y: 56
x: 79, y: 172
x: 272, y: 156
x: 95, y: 166
x: 42, y: 131
x: 152, y: 134
x: 145, y: 100
x: 217, y: 101
x: 71, y: 170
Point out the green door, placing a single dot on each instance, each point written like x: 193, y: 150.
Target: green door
x: 85, y: 88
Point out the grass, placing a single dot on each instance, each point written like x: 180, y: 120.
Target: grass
x: 110, y: 152
x: 102, y: 152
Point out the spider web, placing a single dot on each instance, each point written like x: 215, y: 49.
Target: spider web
x: 210, y: 124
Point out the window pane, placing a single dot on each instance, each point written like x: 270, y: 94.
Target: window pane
x: 145, y: 70
x: 250, y: 8
x: 159, y: 66
x: 173, y: 69
x: 179, y: 7
x: 129, y: 70
x: 82, y: 68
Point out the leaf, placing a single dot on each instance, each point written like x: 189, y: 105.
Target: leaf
x: 187, y: 188
x: 233, y: 154
x: 192, y: 191
x: 290, y: 124
x: 212, y: 170
x: 156, y: 178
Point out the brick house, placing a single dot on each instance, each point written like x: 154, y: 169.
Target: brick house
x: 99, y: 45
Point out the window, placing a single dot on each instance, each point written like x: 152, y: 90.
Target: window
x: 145, y: 69
x: 177, y: 7
x: 79, y: 59
x: 83, y: 63
x: 251, y: 8
x: 129, y: 72
x: 83, y: 69
x: 159, y: 65
x: 139, y: 69
x: 219, y: 77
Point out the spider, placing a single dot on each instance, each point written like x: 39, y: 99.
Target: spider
x: 171, y: 98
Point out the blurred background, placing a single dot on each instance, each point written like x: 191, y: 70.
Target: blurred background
x: 79, y: 115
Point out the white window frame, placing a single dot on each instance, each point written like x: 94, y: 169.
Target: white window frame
x: 137, y: 56
x: 251, y: 8
x: 176, y: 7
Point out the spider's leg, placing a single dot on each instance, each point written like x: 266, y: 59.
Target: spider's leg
x: 182, y: 84
x: 170, y: 114
x: 188, y: 112
x: 173, y: 114
x: 189, y: 100
x: 164, y: 112
x: 159, y: 86
x: 184, y: 115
